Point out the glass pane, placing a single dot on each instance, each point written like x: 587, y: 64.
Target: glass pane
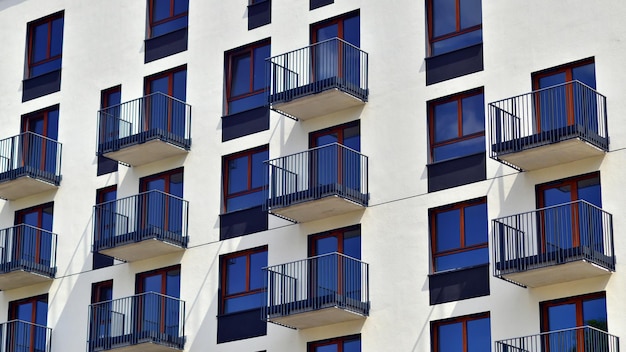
x: 327, y: 348
x: 326, y: 139
x: 56, y: 38
x: 459, y: 149
x: 245, y: 201
x: 352, y: 346
x: 181, y: 6
x: 24, y: 312
x: 257, y: 262
x: 446, y: 121
x: 328, y: 32
x: 172, y: 283
x: 457, y: 42
x: 246, y: 302
x: 176, y: 185
x: 589, y: 190
x: 476, y: 224
x: 473, y: 114
x: 444, y: 17
x: 552, y: 102
x: 152, y: 283
x: 238, y: 174
x: 160, y: 9
x: 479, y: 335
x: 351, y: 31
x: 247, y: 103
x: 41, y: 316
x: 585, y: 74
x: 352, y: 138
x: 326, y: 245
x: 562, y: 316
x: 236, y: 274
x: 160, y: 85
x: 240, y: 83
x: 180, y: 85
x: 451, y: 337
x: 352, y: 244
x: 594, y: 313
x: 471, y: 13
x: 40, y: 43
x: 462, y: 259
x: 448, y: 225
x: 260, y: 54
x: 169, y: 26
x: 258, y: 168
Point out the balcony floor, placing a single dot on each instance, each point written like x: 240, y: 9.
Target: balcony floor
x: 555, y: 274
x: 144, y: 347
x: 314, y: 105
x: 21, y: 278
x: 551, y: 154
x: 315, y: 318
x: 141, y: 250
x: 317, y: 209
x: 144, y: 153
x: 24, y: 186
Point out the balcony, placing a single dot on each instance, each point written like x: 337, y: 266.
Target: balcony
x: 323, y: 290
x: 144, y: 130
x: 147, y: 322
x: 584, y: 338
x: 319, y: 79
x: 548, y: 127
x: 27, y: 256
x: 142, y: 226
x: 557, y: 244
x: 19, y: 335
x: 317, y: 183
x: 29, y: 164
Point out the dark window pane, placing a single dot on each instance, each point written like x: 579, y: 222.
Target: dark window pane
x: 160, y: 10
x: 476, y: 226
x: 236, y: 274
x: 352, y: 244
x: 238, y: 174
x: 246, y: 302
x: 352, y: 346
x: 352, y: 31
x: 257, y: 262
x: 327, y: 348
x: 152, y: 283
x: 451, y: 337
x: 471, y: 13
x: 40, y: 43
x: 260, y: 54
x: 328, y: 32
x: 326, y: 245
x: 562, y: 317
x: 247, y: 103
x: 240, y: 75
x: 479, y: 335
x: 181, y: 6
x: 446, y: 121
x: 594, y: 313
x: 258, y: 168
x: 444, y: 17
x: 169, y: 26
x: 458, y: 149
x: 448, y: 226
x: 585, y: 74
x: 457, y: 42
x: 473, y: 114
x: 589, y: 190
x: 56, y: 39
x: 245, y: 201
x: 462, y: 259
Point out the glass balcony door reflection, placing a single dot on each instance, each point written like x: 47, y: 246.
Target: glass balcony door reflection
x: 334, y: 166
x: 159, y: 211
x: 157, y: 313
x: 40, y: 153
x: 162, y: 113
x: 32, y: 245
x: 25, y: 337
x: 333, y: 58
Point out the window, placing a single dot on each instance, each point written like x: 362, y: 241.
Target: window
x: 454, y: 24
x: 459, y: 235
x: 346, y: 27
x: 101, y: 314
x: 164, y: 113
x: 167, y: 16
x: 110, y: 100
x: 246, y: 79
x: 469, y: 334
x: 339, y: 344
x: 35, y: 241
x: 162, y: 203
x: 45, y: 42
x: 105, y: 219
x: 160, y: 313
x: 27, y: 324
x: 242, y: 280
x: 244, y: 178
x: 457, y: 125
x: 39, y: 146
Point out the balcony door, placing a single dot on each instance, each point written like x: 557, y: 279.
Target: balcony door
x: 566, y: 225
x: 163, y: 113
x: 27, y: 328
x: 566, y: 104
x: 105, y: 323
x: 159, y: 314
x: 162, y: 210
x: 334, y: 277
x: 106, y: 214
x: 33, y: 243
x: 39, y: 147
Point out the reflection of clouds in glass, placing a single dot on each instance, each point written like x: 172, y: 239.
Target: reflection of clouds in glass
x: 446, y: 121
x: 473, y: 114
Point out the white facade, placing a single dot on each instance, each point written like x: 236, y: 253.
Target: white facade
x: 103, y: 46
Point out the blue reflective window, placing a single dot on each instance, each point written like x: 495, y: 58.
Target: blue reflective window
x: 244, y: 175
x: 339, y: 344
x: 167, y: 16
x: 242, y: 280
x: 45, y: 42
x: 454, y: 24
x: 457, y: 126
x: 468, y: 333
x: 460, y: 235
x: 247, y: 77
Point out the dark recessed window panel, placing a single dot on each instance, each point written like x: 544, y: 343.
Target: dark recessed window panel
x: 455, y: 285
x: 313, y: 4
x: 243, y: 222
x: 454, y: 64
x: 166, y: 45
x: 245, y: 123
x: 259, y: 13
x: 457, y: 172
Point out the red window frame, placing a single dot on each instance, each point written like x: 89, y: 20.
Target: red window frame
x: 339, y: 21
x: 337, y: 233
x: 247, y: 50
x: 25, y: 127
x: 106, y: 94
x: 31, y: 34
x: 13, y: 305
x: 433, y: 230
x: 226, y: 180
x: 458, y: 30
x: 165, y: 175
x: 224, y: 276
x: 170, y: 92
x: 460, y: 136
x: 139, y: 289
x: 434, y: 328
x: 336, y: 341
x: 19, y: 219
x: 97, y: 290
x: 172, y: 16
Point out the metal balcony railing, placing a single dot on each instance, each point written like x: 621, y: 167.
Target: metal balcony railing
x: 28, y: 248
x: 147, y: 215
x: 144, y: 318
x: 154, y: 116
x: 324, y: 171
x: 325, y: 281
x: 580, y: 339
x: 19, y: 335
x: 32, y: 155
x: 559, y: 234
x: 329, y: 64
x: 549, y: 115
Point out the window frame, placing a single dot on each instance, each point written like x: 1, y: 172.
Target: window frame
x: 226, y: 180
x: 224, y: 277
x: 460, y: 137
x: 458, y: 30
x: 435, y: 325
x: 96, y: 293
x: 337, y: 341
x: 172, y: 17
x: 229, y: 61
x: 339, y: 21
x: 577, y: 300
x: 30, y: 44
x: 462, y: 248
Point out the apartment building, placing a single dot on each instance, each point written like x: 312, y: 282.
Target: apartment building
x: 311, y: 176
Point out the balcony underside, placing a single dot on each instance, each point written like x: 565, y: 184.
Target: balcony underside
x: 134, y: 251
x: 144, y: 153
x: 25, y: 184
x: 556, y: 273
x: 21, y: 278
x: 317, y: 209
x: 313, y: 105
x: 146, y: 341
x: 144, y: 347
x: 315, y: 318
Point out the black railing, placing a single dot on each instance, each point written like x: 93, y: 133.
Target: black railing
x: 144, y: 318
x: 28, y: 248
x: 154, y: 116
x: 19, y: 335
x: 329, y: 64
x: 549, y: 115
x: 325, y: 281
x: 553, y: 235
x: 316, y: 173
x: 580, y: 339
x: 31, y: 155
x: 149, y: 215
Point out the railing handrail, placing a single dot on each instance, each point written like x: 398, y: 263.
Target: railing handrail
x: 137, y: 195
x: 316, y: 148
x: 103, y: 110
x: 25, y: 322
x: 268, y: 268
x: 557, y: 331
x: 495, y: 103
x: 137, y: 295
x: 552, y: 207
x: 316, y: 44
x: 31, y: 226
x: 31, y: 133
